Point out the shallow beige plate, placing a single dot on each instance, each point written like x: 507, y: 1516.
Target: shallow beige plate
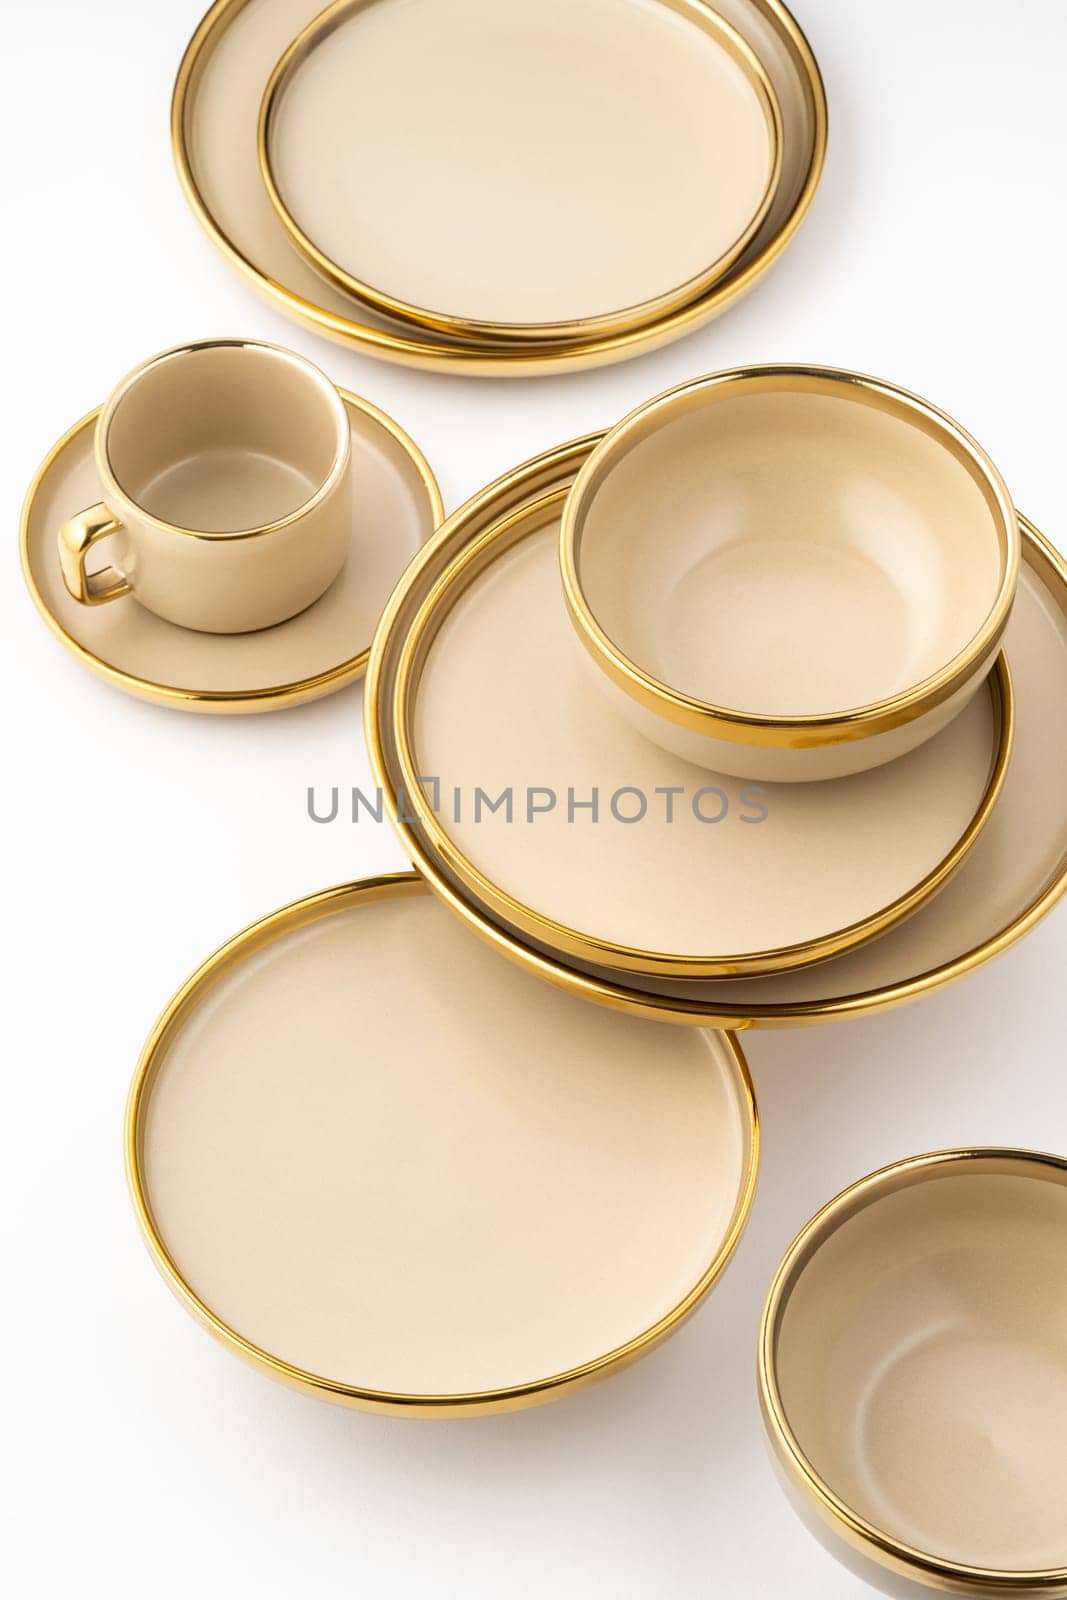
x: 398, y: 505
x: 913, y: 1372
x: 213, y: 124
x: 658, y: 163
x: 1012, y: 878
x: 394, y: 1170
x: 610, y: 848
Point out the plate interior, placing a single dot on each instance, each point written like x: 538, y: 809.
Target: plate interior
x: 383, y: 1155
x: 506, y: 700
x: 601, y: 153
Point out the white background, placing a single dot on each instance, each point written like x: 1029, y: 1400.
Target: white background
x: 138, y: 1453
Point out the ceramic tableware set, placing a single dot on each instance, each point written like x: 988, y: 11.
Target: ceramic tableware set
x: 734, y: 716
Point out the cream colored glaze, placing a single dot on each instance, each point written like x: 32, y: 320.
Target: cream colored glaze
x: 393, y: 514
x: 221, y: 120
x: 764, y: 763
x: 1021, y: 850
x: 386, y: 1157
x: 505, y: 699
x: 850, y: 562
x: 1011, y: 877
x: 200, y: 452
x: 652, y: 167
x: 922, y: 1365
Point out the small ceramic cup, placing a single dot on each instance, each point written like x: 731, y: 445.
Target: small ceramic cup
x: 227, y: 491
x: 913, y: 1375
x: 789, y: 573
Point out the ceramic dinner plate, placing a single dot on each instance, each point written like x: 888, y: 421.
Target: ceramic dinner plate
x: 394, y: 1170
x: 1013, y: 876
x: 444, y: 101
x: 397, y: 507
x: 214, y: 121
x: 562, y: 818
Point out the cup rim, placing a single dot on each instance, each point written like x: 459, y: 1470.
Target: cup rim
x: 876, y: 1543
x: 123, y: 389
x: 816, y: 730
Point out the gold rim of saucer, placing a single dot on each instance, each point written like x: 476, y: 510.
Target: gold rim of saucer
x: 463, y: 568
x: 523, y: 485
x: 757, y: 728
x: 216, y: 701
x: 257, y: 936
x: 581, y: 330
x: 888, y: 1552
x: 505, y: 360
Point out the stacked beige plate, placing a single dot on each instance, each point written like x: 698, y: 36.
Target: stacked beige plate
x: 602, y: 767
x: 500, y: 186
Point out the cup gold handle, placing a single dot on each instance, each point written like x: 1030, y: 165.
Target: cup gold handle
x: 76, y: 539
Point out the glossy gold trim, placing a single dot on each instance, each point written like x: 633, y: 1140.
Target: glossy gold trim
x: 75, y: 539
x: 254, y: 938
x: 949, y: 1577
x: 536, y: 478
x: 216, y: 702
x: 438, y: 355
x: 755, y: 728
x: 580, y: 330
x: 419, y: 631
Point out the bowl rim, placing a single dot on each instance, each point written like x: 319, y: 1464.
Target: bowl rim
x: 863, y: 1536
x: 760, y: 728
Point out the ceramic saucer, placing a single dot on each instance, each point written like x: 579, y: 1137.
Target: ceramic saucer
x: 338, y: 1139
x: 608, y: 847
x: 674, y: 107
x: 398, y: 505
x: 1010, y: 880
x: 213, y: 128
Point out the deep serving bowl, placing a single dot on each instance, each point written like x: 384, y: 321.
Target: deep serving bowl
x: 913, y: 1374
x: 789, y: 573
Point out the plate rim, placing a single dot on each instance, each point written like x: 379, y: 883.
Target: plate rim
x: 467, y: 328
x: 248, y: 942
x: 470, y: 360
x: 615, y: 993
x: 466, y: 566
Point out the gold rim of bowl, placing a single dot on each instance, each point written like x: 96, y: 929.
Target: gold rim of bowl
x: 881, y: 1547
x: 756, y: 728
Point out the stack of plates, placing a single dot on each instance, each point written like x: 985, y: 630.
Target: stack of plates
x: 682, y: 895
x: 500, y: 186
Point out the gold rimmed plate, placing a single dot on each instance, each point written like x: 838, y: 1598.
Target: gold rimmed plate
x: 502, y: 235
x: 397, y: 506
x: 558, y: 816
x: 1013, y: 876
x: 337, y: 1140
x: 214, y: 114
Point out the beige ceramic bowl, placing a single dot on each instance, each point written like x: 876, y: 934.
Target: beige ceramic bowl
x: 789, y: 573
x: 913, y: 1374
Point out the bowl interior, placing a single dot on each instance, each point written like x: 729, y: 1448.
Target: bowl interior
x: 922, y: 1367
x: 792, y: 552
